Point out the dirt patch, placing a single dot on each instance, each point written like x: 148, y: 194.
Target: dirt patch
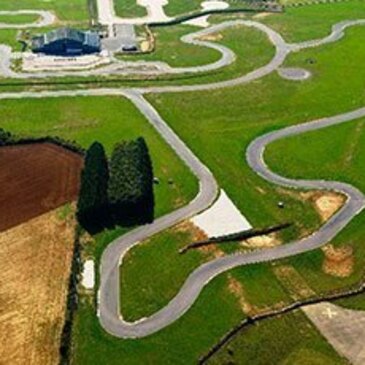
x: 339, y: 261
x: 35, y: 266
x: 214, y: 37
x: 196, y: 233
x: 35, y: 179
x: 355, y: 142
x: 270, y: 240
x: 261, y: 190
x: 293, y: 282
x: 211, y: 251
x: 328, y: 204
x: 236, y: 288
x: 261, y: 15
x: 145, y: 46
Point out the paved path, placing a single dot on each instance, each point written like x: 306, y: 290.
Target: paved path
x: 119, y: 67
x: 113, y: 255
x: 155, y: 13
x: 46, y: 18
x: 110, y: 317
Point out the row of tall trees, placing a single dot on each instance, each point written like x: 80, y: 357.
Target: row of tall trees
x: 119, y: 192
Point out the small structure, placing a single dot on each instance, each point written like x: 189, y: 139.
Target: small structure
x: 67, y: 42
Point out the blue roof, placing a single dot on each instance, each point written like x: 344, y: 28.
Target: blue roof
x: 89, y: 38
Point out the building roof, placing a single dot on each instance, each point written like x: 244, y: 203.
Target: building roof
x: 89, y: 38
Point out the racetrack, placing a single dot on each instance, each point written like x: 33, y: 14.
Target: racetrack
x: 113, y: 256
x: 46, y: 18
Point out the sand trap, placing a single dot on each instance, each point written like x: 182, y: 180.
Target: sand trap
x: 294, y: 74
x: 214, y: 5
x: 265, y: 241
x: 222, y: 218
x: 328, y: 204
x: 338, y: 262
x: 88, y: 275
x: 207, y: 5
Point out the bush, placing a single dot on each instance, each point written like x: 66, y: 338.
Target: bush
x: 5, y: 137
x: 92, y: 206
x: 130, y: 189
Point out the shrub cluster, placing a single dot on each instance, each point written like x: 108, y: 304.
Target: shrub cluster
x: 5, y: 137
x: 123, y: 195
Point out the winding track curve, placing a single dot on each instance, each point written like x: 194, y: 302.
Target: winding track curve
x: 46, y: 18
x: 118, y: 67
x: 113, y: 255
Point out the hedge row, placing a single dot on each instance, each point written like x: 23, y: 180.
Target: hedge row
x: 92, y: 206
x: 254, y: 6
x: 8, y: 139
x: 312, y: 2
x: 72, y: 303
x: 250, y: 321
x: 234, y: 237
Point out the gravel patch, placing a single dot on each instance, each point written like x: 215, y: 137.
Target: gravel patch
x: 207, y: 5
x: 294, y: 74
x: 88, y: 275
x: 222, y: 218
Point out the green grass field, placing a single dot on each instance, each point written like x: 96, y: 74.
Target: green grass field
x: 170, y: 49
x: 18, y: 19
x: 254, y: 109
x: 75, y: 10
x: 181, y: 343
x: 176, y: 7
x: 336, y: 153
x: 8, y: 37
x: 143, y: 292
x: 107, y: 120
x: 285, y: 340
x: 218, y: 126
x: 357, y: 302
x: 314, y: 21
x: 129, y: 9
x: 219, y: 135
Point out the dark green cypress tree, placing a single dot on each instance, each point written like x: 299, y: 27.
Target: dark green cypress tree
x: 131, y: 183
x: 92, y: 206
x: 148, y: 203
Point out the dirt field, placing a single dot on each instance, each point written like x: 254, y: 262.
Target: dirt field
x: 35, y: 266
x: 35, y: 179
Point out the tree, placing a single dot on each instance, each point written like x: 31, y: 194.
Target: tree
x: 131, y: 184
x: 92, y: 206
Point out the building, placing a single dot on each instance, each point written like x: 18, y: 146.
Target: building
x: 67, y: 42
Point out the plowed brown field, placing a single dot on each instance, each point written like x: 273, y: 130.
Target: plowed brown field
x: 35, y: 179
